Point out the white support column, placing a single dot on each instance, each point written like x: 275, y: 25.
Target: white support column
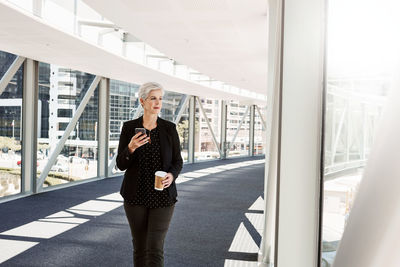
x: 224, y: 112
x: 267, y: 249
x: 192, y: 134
x: 68, y: 130
x: 29, y: 126
x: 299, y: 165
x: 251, y: 130
x: 103, y: 127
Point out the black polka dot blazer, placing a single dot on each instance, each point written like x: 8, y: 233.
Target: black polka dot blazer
x: 170, y: 156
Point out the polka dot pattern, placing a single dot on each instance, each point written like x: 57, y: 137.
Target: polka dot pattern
x: 149, y: 163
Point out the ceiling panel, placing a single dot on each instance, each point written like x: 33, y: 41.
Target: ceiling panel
x: 226, y: 40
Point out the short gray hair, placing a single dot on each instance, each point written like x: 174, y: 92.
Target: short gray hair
x: 145, y: 89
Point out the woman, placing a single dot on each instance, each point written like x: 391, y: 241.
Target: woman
x: 149, y: 211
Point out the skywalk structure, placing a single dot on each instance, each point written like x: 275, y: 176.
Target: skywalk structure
x: 241, y: 79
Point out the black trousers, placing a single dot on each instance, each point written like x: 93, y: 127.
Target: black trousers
x: 149, y: 228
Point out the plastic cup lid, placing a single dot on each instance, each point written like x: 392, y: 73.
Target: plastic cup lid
x: 161, y: 173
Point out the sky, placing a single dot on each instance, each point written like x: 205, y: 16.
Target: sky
x: 363, y: 37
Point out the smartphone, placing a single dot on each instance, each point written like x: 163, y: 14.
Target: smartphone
x: 142, y: 130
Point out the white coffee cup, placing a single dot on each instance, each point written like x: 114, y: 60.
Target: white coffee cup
x: 159, y: 177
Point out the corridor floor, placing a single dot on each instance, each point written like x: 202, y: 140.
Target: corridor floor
x: 217, y: 221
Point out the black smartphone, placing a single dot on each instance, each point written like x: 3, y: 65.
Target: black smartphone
x: 142, y: 130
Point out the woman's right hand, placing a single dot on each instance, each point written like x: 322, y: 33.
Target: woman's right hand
x: 137, y: 140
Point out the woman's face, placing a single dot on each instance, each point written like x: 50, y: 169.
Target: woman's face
x: 153, y: 103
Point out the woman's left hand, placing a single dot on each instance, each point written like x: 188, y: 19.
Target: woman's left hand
x: 169, y: 178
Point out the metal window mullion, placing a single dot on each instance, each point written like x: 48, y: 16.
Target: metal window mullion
x: 261, y: 117
x: 333, y: 128
x: 192, y: 129
x: 182, y: 109
x: 209, y: 127
x: 251, y: 130
x: 223, y: 128
x: 238, y: 129
x: 337, y: 136
x: 67, y: 132
x: 103, y: 127
x: 365, y: 131
x: 29, y: 126
x: 10, y: 73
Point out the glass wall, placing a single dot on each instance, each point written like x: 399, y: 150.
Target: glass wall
x: 10, y: 128
x: 205, y: 147
x: 61, y: 91
x: 124, y: 106
x: 359, y: 73
x: 259, y: 132
x: 183, y: 131
x: 172, y: 104
x: 238, y: 140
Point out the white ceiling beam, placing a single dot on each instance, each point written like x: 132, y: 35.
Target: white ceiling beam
x: 31, y: 37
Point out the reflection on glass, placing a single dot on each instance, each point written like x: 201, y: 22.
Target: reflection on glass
x: 124, y: 106
x: 10, y: 128
x: 358, y: 78
x: 183, y: 131
x: 171, y: 105
x: 61, y: 91
x: 240, y: 145
x: 205, y: 147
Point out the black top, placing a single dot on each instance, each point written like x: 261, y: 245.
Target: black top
x: 170, y: 152
x: 150, y: 162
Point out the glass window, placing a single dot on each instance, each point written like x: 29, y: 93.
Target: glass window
x: 10, y: 128
x: 124, y: 106
x: 64, y: 113
x: 358, y: 76
x: 205, y: 147
x: 171, y: 105
x: 61, y: 91
x: 6, y: 59
x: 259, y: 132
x: 238, y: 139
x: 183, y: 131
